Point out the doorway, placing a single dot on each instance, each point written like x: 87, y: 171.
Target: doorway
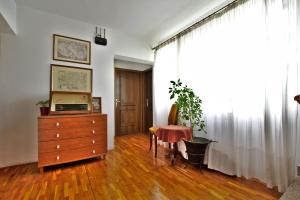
x: 133, y: 101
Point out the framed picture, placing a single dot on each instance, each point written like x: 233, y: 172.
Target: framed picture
x: 96, y: 104
x: 71, y: 49
x: 71, y: 79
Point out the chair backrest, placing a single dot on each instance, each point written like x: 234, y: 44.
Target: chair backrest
x: 173, y: 115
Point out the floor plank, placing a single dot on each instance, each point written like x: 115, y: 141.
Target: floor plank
x: 130, y: 172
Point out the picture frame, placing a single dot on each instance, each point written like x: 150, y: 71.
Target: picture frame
x: 71, y: 79
x: 70, y: 49
x: 96, y: 105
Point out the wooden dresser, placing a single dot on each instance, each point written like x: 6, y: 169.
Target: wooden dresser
x: 68, y: 138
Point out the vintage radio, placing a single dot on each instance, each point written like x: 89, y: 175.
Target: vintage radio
x: 70, y: 103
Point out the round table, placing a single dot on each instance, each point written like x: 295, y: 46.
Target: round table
x: 173, y: 134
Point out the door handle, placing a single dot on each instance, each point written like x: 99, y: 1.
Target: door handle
x: 116, y: 102
x: 147, y: 103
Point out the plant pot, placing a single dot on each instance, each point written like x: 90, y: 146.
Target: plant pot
x: 195, y: 149
x: 44, y: 111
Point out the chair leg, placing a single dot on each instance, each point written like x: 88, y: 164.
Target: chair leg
x: 155, y: 141
x: 151, y: 137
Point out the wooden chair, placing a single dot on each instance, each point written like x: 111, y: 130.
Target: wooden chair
x: 172, y: 120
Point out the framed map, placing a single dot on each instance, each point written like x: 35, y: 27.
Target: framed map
x: 71, y: 79
x: 71, y: 49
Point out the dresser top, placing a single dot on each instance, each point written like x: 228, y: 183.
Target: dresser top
x: 74, y: 115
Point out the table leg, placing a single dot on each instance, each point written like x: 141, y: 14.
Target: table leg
x: 169, y: 150
x: 173, y: 159
x: 173, y: 153
x: 173, y: 150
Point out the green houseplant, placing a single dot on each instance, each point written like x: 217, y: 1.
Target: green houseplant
x: 190, y: 111
x: 189, y: 105
x: 44, y: 107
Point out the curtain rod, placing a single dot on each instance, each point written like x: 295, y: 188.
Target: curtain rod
x: 196, y: 24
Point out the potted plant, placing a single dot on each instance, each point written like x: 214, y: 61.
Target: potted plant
x: 190, y: 112
x: 44, y: 107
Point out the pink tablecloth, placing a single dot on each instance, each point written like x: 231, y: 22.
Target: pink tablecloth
x: 173, y: 133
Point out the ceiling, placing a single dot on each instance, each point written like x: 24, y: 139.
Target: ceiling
x: 4, y: 27
x: 149, y: 20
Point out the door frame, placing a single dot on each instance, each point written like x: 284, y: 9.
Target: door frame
x: 142, y: 99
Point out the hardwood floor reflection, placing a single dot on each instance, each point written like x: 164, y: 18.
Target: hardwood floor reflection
x: 130, y: 172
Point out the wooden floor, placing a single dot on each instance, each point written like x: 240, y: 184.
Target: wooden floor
x: 130, y: 172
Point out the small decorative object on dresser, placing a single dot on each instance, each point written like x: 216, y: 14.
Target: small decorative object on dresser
x: 68, y: 138
x: 44, y: 107
x: 71, y: 49
x: 96, y: 102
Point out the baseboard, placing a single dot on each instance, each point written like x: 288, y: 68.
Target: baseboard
x: 30, y: 162
x: 17, y: 163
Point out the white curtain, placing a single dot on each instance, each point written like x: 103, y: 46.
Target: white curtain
x: 243, y: 66
x: 164, y: 70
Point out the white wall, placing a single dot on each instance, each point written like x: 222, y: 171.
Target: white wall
x: 8, y: 13
x: 25, y: 75
x: 131, y: 65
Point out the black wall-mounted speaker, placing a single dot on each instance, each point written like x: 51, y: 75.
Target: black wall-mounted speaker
x: 100, y: 40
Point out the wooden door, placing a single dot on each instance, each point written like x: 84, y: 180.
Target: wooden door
x: 148, y: 104
x: 127, y: 101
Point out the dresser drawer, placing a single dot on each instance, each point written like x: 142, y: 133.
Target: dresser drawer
x: 74, y: 122
x: 52, y: 158
x: 69, y: 144
x: 68, y: 133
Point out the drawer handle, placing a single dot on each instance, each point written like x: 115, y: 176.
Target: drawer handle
x: 58, y: 146
x: 94, y: 151
x: 93, y: 122
x: 93, y: 131
x: 57, y: 157
x: 57, y: 123
x: 93, y: 141
x: 57, y: 135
